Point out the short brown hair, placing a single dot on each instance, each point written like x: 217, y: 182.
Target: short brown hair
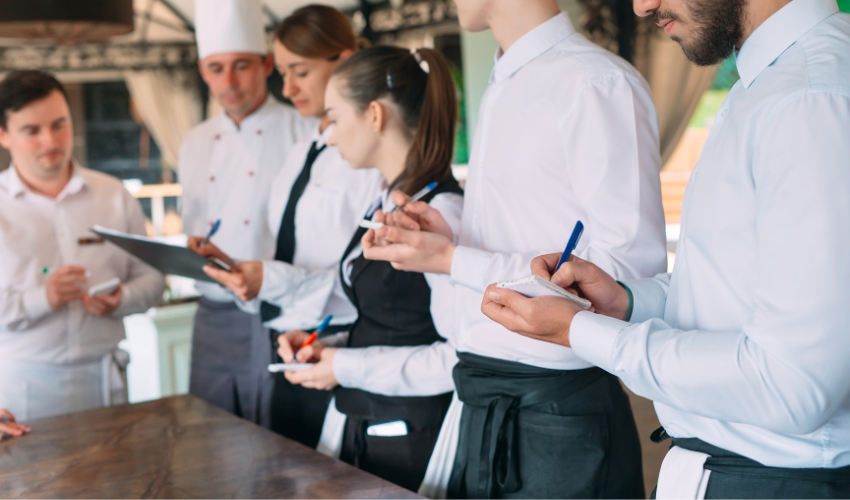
x: 21, y: 88
x: 318, y: 32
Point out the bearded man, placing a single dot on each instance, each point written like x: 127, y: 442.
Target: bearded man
x: 744, y: 348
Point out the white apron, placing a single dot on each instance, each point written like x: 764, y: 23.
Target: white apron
x: 40, y: 390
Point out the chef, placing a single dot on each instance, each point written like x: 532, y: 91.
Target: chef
x: 226, y: 167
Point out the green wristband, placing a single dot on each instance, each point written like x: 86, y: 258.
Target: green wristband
x: 631, y: 300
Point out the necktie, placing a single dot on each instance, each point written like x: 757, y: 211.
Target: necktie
x: 286, y: 236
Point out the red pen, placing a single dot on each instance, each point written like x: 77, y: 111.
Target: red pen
x: 315, y: 335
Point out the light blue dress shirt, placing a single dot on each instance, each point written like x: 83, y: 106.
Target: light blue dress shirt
x: 747, y: 344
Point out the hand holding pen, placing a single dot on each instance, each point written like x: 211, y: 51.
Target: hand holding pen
x: 294, y: 342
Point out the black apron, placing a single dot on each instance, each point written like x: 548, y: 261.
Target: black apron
x: 393, y: 310
x: 735, y: 476
x: 296, y: 412
x: 529, y: 432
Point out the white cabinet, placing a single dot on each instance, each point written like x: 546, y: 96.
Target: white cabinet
x: 160, y: 347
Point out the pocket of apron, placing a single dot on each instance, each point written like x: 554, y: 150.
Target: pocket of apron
x: 571, y: 448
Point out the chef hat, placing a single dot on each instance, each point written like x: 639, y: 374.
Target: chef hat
x: 223, y: 26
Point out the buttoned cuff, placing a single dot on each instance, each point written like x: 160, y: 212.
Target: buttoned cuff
x: 469, y: 268
x: 349, y: 367
x: 592, y: 338
x: 35, y: 303
x: 649, y: 300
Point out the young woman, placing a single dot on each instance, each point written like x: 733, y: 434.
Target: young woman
x: 316, y: 203
x: 394, y: 110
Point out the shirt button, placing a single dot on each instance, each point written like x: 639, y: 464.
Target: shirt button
x: 246, y: 222
x: 251, y: 174
x: 259, y: 132
x: 212, y: 223
x: 212, y: 178
x: 217, y: 137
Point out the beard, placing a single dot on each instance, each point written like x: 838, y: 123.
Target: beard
x: 718, y: 26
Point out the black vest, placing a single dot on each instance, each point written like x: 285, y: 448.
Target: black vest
x: 394, y: 309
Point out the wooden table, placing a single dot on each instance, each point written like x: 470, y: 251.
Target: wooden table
x: 178, y: 447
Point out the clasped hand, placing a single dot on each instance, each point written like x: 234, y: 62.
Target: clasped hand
x: 550, y: 318
x: 416, y: 238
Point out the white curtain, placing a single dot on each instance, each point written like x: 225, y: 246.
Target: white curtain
x: 677, y: 86
x: 169, y: 104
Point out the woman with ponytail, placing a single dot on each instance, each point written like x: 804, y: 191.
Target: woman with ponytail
x: 316, y: 203
x: 393, y: 110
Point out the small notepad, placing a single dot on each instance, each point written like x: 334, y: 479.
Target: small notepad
x: 535, y: 286
x: 289, y: 367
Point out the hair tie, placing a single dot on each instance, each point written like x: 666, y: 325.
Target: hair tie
x: 422, y: 63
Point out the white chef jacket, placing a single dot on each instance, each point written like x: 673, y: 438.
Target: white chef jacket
x: 227, y: 172
x: 38, y: 232
x: 326, y: 217
x: 746, y: 345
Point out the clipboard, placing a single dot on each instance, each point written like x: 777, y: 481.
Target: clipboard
x: 166, y: 258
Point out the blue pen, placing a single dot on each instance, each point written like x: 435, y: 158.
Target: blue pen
x: 418, y: 196
x: 315, y: 334
x: 213, y: 230
x: 571, y: 246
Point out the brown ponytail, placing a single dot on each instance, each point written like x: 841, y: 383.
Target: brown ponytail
x: 318, y: 32
x: 427, y: 102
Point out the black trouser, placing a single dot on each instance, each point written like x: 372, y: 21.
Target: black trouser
x: 400, y: 459
x: 529, y: 432
x: 297, y: 412
x: 735, y: 476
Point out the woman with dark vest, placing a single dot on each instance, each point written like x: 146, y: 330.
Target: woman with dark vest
x: 316, y: 202
x: 394, y: 110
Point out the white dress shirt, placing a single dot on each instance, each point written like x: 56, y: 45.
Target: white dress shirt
x: 326, y: 217
x: 746, y: 345
x: 227, y: 172
x: 38, y: 232
x: 567, y: 131
x: 406, y: 371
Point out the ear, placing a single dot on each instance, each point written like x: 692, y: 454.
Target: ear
x: 203, y: 70
x: 268, y: 64
x: 377, y: 116
x: 345, y: 54
x: 4, y: 138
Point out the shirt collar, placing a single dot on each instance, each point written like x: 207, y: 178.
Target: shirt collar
x: 16, y: 187
x: 777, y: 33
x: 530, y: 46
x: 251, y: 121
x: 321, y: 138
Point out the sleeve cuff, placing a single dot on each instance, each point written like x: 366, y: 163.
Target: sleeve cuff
x: 469, y: 268
x: 349, y: 367
x: 35, y: 303
x: 592, y: 338
x: 279, y: 280
x: 649, y: 300
x: 336, y: 339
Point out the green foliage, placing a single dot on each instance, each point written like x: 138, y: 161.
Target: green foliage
x: 727, y: 75
x: 461, y: 156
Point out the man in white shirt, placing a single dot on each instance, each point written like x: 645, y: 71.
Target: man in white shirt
x: 58, y: 345
x: 566, y: 126
x: 227, y: 166
x: 744, y: 348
